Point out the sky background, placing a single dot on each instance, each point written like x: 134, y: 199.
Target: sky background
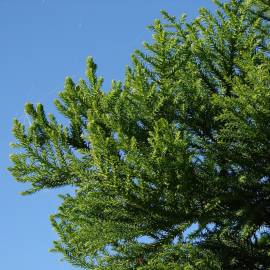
x: 42, y: 42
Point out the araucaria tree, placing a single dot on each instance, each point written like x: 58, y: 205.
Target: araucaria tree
x: 171, y: 167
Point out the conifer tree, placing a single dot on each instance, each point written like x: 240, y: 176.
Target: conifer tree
x: 171, y: 167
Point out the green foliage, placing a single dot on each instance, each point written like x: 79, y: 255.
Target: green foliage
x: 171, y: 167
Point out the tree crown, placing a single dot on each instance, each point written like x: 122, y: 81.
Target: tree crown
x: 171, y: 166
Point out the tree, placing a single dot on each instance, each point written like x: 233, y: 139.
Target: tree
x: 172, y: 166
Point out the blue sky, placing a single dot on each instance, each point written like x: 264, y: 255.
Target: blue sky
x: 42, y: 42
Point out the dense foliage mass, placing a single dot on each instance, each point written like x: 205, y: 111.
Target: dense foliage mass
x: 171, y: 167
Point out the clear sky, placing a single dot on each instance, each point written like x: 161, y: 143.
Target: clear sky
x: 42, y: 42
